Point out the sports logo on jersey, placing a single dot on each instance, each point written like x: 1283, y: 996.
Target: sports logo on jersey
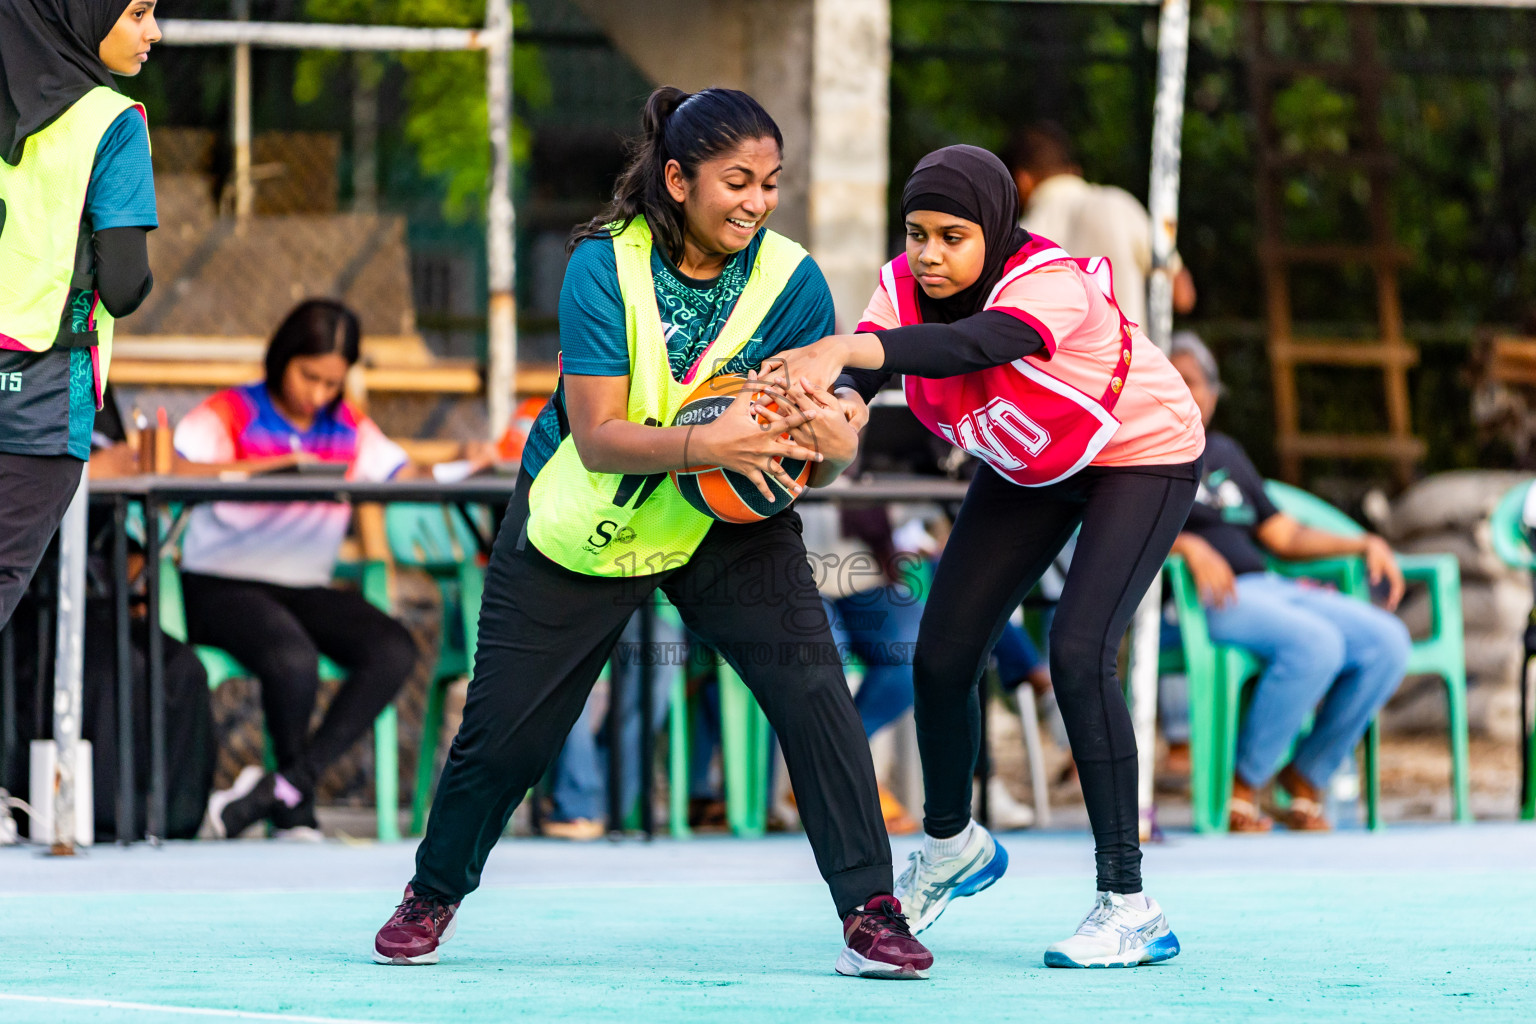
x: 1000, y: 433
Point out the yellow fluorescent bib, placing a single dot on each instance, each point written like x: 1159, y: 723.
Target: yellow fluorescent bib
x: 612, y: 524
x: 44, y: 197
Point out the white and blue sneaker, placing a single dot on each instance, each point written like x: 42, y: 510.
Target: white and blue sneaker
x: 926, y: 886
x: 1116, y: 934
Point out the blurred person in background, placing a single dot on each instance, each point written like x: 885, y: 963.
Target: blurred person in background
x: 257, y: 577
x: 190, y: 743
x: 1087, y: 219
x: 1324, y: 652
x: 579, y: 793
x: 77, y: 200
x: 874, y: 614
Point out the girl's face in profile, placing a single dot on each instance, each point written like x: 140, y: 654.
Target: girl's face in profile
x: 946, y: 252
x: 126, y: 47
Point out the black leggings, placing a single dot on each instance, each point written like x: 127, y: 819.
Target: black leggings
x: 1004, y: 538
x: 279, y: 633
x: 545, y: 634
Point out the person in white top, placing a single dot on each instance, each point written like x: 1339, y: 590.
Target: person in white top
x: 1087, y: 219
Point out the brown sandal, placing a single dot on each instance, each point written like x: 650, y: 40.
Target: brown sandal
x: 1244, y: 816
x: 1303, y: 815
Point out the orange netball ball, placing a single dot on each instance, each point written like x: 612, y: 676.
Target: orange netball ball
x: 720, y: 493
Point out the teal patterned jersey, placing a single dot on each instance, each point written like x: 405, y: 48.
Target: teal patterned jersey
x: 693, y: 312
x: 593, y: 339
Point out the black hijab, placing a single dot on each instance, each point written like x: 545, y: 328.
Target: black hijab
x: 968, y: 182
x: 49, y: 58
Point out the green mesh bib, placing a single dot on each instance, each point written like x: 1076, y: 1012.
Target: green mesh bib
x: 613, y: 524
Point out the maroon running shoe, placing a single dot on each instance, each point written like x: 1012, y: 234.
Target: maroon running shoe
x: 412, y: 934
x: 880, y: 945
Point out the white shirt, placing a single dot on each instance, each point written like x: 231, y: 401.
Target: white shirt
x: 291, y: 544
x: 1098, y: 220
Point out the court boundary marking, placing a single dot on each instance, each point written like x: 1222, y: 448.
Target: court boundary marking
x: 200, y: 1011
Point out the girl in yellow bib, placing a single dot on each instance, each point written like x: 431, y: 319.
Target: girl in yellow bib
x: 76, y: 200
x: 676, y: 282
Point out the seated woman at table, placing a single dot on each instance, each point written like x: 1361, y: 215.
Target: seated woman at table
x: 256, y: 577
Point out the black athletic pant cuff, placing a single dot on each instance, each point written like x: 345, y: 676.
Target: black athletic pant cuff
x: 420, y: 888
x: 855, y: 887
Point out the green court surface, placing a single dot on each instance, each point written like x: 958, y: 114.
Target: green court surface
x: 1421, y: 923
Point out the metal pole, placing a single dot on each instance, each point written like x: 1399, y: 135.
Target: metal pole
x: 310, y: 35
x: 46, y: 582
x: 366, y: 73
x: 8, y: 729
x: 125, y: 717
x: 1146, y: 628
x: 647, y: 679
x: 68, y: 701
x: 1163, y: 195
x: 615, y: 731
x: 245, y: 196
x: 155, y: 656
x: 1167, y: 135
x: 501, y: 379
x: 982, y: 776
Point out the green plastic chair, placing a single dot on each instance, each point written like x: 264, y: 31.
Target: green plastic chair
x: 1216, y: 674
x: 1442, y: 653
x: 744, y: 755
x: 678, y: 740
x: 435, y: 539
x: 1512, y: 545
x: 222, y: 666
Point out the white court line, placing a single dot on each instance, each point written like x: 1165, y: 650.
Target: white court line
x: 505, y: 887
x: 197, y: 1011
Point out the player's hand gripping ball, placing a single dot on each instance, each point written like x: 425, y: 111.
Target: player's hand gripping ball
x: 721, y: 493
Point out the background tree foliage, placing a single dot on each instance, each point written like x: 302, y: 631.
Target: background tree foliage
x: 1457, y: 119
x: 445, y: 114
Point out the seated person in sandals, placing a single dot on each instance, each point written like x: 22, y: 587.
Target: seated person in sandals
x: 1325, y: 654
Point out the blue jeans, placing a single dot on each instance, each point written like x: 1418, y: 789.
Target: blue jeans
x: 1322, y: 650
x: 581, y: 771
x: 879, y: 626
x: 1016, y: 656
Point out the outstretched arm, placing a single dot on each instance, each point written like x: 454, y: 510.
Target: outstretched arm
x: 989, y: 338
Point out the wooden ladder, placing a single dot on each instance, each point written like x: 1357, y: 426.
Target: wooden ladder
x: 1365, y: 77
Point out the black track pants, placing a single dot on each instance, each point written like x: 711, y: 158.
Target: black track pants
x: 545, y: 633
x: 34, y: 492
x: 1004, y: 538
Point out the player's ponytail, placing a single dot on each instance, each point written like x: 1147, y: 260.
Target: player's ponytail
x: 689, y: 128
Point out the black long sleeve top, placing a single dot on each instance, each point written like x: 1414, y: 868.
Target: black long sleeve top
x: 123, y: 278
x: 986, y: 339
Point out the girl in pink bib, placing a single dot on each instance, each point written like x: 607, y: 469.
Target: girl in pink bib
x: 1015, y: 351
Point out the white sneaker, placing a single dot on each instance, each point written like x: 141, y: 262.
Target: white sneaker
x: 926, y: 886
x: 299, y: 834
x: 10, y: 835
x: 1116, y: 934
x: 1006, y: 813
x: 248, y: 779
